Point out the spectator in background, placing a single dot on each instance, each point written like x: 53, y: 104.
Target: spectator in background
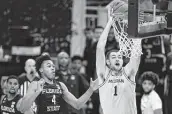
x: 90, y: 52
x: 89, y: 36
x: 63, y: 65
x: 26, y: 78
x: 76, y: 66
x: 81, y: 80
x: 150, y: 101
x: 64, y: 75
x: 112, y: 42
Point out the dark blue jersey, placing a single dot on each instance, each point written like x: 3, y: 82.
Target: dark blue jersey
x: 9, y: 106
x: 48, y: 102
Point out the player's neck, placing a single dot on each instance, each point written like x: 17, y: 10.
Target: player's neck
x: 116, y: 72
x: 49, y: 81
x: 11, y: 96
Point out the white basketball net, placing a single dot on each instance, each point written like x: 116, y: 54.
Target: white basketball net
x: 128, y: 47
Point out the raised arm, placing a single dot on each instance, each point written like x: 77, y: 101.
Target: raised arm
x: 100, y: 52
x: 132, y: 67
x: 34, y: 90
x: 78, y: 103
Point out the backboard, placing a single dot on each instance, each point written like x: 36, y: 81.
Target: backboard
x: 141, y: 21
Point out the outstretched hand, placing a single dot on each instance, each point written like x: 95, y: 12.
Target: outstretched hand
x: 94, y: 85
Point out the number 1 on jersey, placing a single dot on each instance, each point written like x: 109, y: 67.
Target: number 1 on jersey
x: 115, y: 93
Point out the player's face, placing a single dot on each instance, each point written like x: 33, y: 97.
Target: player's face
x: 63, y: 59
x: 147, y: 86
x: 116, y: 60
x: 12, y: 86
x: 48, y: 69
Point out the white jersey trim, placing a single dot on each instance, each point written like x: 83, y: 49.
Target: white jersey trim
x: 105, y: 79
x: 128, y: 78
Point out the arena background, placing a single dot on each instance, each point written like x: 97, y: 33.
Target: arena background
x: 30, y: 27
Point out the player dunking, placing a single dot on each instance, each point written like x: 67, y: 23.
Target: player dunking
x: 117, y: 91
x: 48, y: 93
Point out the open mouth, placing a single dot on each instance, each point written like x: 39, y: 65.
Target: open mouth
x: 117, y: 64
x: 53, y: 73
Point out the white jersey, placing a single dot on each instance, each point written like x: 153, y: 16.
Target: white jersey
x: 150, y: 102
x: 117, y: 94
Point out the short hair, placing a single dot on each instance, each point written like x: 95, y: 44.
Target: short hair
x: 12, y: 77
x: 40, y: 60
x: 77, y: 58
x: 62, y: 52
x: 151, y: 76
x: 110, y: 51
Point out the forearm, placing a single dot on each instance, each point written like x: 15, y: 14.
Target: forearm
x: 28, y: 100
x: 132, y: 67
x: 84, y: 98
x: 103, y: 38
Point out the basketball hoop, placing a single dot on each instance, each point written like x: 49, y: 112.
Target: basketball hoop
x: 128, y: 47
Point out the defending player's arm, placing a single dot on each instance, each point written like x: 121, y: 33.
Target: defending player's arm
x: 100, y: 52
x: 26, y: 112
x: 78, y: 103
x: 132, y: 67
x: 34, y: 90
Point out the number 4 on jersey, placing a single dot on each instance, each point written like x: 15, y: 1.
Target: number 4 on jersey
x: 115, y: 92
x: 54, y: 99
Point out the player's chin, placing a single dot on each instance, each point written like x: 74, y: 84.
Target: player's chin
x: 118, y: 67
x: 52, y: 76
